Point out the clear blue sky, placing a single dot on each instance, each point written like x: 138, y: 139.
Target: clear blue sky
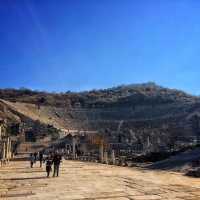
x: 78, y: 45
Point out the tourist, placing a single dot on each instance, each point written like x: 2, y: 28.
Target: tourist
x: 48, y: 165
x: 41, y: 158
x: 32, y: 159
x: 56, y: 164
x: 35, y: 157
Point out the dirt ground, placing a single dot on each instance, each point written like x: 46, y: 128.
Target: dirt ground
x: 89, y: 181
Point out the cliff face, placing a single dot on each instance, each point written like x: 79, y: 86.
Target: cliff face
x: 144, y: 114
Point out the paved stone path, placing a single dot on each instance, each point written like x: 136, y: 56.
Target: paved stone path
x: 89, y: 181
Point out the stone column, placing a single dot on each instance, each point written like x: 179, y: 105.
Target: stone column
x: 11, y: 150
x: 148, y: 144
x: 106, y: 157
x: 4, y: 150
x: 101, y: 152
x: 7, y: 148
x: 113, y: 157
x: 0, y: 131
x: 74, y: 148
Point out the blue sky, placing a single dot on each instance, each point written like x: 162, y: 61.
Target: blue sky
x: 85, y: 44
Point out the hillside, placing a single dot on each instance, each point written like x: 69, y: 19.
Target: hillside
x: 145, y: 114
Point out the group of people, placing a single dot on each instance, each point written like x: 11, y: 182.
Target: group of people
x: 34, y: 157
x: 52, y: 159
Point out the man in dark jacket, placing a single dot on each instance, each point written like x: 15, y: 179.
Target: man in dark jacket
x: 41, y: 158
x: 48, y: 165
x: 35, y: 156
x: 56, y: 164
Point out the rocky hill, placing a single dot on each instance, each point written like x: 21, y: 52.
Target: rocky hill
x: 148, y: 93
x: 146, y: 114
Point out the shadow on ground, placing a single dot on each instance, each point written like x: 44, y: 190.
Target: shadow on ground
x: 21, y: 179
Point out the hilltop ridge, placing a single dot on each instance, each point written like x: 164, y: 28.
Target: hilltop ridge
x: 115, y: 95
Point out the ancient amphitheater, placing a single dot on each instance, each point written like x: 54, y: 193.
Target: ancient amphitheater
x: 133, y: 143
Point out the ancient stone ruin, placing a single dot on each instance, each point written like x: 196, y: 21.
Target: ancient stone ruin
x: 5, y: 143
x: 124, y: 122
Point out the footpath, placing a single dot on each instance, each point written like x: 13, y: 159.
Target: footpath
x: 91, y: 181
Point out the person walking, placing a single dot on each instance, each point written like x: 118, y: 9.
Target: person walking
x: 56, y: 164
x: 48, y: 165
x: 41, y: 158
x: 32, y: 159
x: 35, y: 157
